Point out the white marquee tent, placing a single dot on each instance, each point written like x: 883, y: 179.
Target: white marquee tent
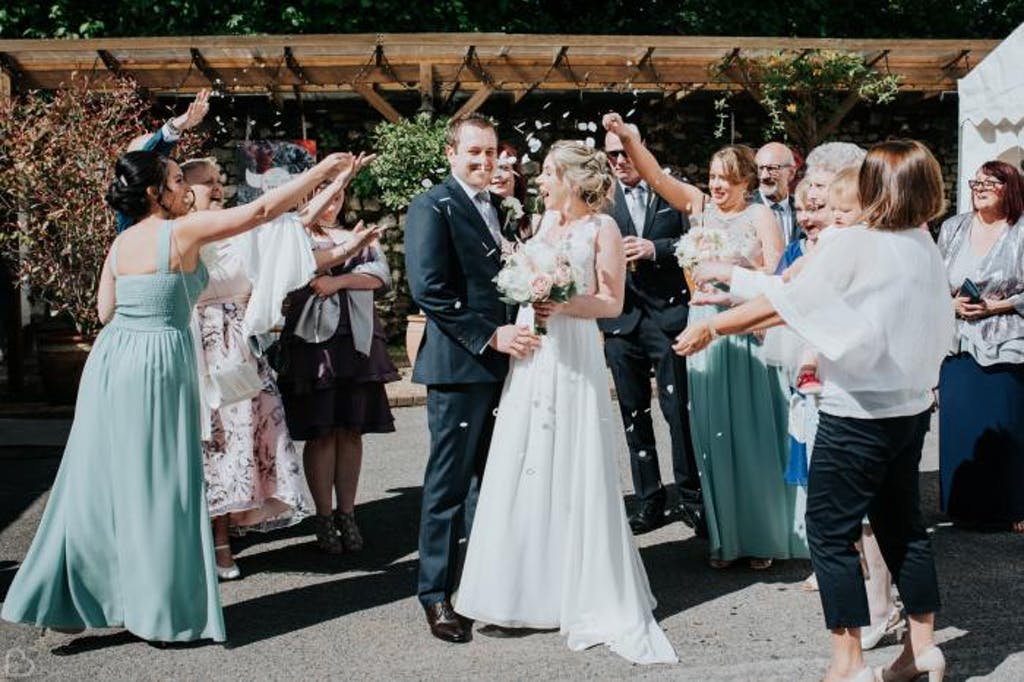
x: 992, y: 112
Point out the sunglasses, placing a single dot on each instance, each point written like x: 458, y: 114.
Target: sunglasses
x: 615, y: 155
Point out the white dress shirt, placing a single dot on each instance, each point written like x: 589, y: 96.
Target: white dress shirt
x: 481, y: 199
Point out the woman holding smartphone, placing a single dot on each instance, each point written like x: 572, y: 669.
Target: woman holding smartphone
x: 981, y: 423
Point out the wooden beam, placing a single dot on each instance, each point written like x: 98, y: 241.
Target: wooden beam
x: 110, y: 61
x: 293, y: 65
x: 377, y: 102
x: 204, y: 68
x: 646, y: 57
x: 10, y: 75
x: 953, y: 62
x: 474, y: 102
x: 427, y: 90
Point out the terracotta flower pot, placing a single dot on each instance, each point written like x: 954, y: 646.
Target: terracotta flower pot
x: 62, y: 356
x: 416, y: 324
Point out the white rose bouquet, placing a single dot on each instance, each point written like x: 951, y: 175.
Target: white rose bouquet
x: 537, y: 272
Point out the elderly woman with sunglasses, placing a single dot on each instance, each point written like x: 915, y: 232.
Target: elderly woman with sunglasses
x: 981, y: 390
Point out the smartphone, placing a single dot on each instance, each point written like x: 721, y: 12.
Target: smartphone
x: 971, y: 291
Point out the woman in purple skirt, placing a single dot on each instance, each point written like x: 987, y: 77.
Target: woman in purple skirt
x: 335, y: 364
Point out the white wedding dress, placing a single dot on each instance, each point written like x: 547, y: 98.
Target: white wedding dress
x: 550, y: 545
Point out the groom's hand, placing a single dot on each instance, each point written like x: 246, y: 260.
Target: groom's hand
x: 515, y: 341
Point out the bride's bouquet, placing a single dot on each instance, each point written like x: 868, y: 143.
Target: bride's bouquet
x: 537, y: 272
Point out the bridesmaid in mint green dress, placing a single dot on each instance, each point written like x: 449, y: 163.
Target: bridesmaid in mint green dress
x: 738, y: 405
x: 125, y: 538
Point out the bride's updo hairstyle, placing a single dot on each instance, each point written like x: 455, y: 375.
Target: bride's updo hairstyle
x: 738, y: 165
x: 585, y: 170
x: 134, y: 173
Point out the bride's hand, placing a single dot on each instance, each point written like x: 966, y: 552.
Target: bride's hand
x: 546, y: 310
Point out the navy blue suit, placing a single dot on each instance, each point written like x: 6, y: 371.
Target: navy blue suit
x: 451, y: 260
x: 654, y: 313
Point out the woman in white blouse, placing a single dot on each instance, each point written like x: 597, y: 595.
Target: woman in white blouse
x: 875, y: 303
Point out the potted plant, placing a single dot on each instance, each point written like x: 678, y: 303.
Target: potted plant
x: 410, y: 160
x: 57, y: 154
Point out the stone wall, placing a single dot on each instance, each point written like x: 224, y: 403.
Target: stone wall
x: 678, y: 131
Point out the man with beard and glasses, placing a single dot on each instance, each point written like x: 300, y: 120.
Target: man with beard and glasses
x: 775, y: 170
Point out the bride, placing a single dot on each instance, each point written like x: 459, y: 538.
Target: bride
x: 551, y: 547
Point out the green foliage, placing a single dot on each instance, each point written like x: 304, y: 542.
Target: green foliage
x: 810, y: 18
x: 410, y: 158
x: 806, y: 94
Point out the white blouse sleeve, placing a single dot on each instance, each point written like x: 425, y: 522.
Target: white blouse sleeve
x: 746, y: 284
x: 816, y: 304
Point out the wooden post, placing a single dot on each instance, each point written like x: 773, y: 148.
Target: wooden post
x: 427, y: 103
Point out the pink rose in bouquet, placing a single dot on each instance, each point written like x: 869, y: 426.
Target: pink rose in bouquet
x: 536, y: 272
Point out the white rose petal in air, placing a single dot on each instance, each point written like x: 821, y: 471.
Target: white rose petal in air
x: 630, y: 113
x: 670, y: 388
x: 463, y: 424
x: 590, y: 142
x: 592, y: 127
x: 534, y: 144
x: 581, y: 126
x: 427, y: 182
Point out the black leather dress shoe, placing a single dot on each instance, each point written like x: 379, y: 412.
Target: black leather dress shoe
x: 649, y: 516
x: 445, y: 623
x: 692, y: 514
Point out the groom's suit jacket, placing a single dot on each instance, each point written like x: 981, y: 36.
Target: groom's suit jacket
x: 657, y: 287
x: 451, y: 261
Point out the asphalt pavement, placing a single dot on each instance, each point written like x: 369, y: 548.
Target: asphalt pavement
x: 299, y: 614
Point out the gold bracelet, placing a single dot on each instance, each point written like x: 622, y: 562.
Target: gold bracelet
x: 714, y: 332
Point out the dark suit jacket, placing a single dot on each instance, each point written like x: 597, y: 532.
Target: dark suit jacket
x: 451, y: 261
x: 795, y: 232
x: 657, y: 288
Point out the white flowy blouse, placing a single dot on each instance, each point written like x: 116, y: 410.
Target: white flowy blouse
x: 875, y: 305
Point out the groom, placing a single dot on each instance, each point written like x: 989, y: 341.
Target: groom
x: 452, y: 255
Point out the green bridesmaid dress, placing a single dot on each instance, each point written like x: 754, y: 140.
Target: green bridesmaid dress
x: 125, y: 539
x: 739, y: 427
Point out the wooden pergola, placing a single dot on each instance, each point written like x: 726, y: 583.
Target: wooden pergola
x: 439, y: 66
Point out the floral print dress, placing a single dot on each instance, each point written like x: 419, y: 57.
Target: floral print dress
x: 253, y: 470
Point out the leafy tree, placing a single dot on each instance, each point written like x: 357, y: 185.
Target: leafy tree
x: 805, y: 18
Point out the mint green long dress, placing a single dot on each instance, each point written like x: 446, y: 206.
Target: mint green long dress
x: 739, y: 425
x: 125, y: 539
